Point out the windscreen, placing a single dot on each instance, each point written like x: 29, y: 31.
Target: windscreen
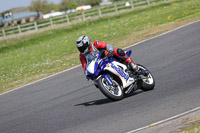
x: 91, y: 56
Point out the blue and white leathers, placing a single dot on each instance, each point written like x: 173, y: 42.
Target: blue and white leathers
x: 97, y: 67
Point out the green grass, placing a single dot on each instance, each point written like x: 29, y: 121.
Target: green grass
x: 34, y: 56
x: 192, y: 129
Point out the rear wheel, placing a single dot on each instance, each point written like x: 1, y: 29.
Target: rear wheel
x: 147, y: 81
x: 113, y: 92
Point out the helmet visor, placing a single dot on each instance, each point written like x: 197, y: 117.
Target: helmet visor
x: 84, y: 48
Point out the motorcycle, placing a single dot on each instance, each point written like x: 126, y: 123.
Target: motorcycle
x: 115, y: 79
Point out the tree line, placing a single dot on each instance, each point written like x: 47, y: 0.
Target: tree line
x: 46, y: 7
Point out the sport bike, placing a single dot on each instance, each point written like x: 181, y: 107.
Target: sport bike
x: 115, y: 79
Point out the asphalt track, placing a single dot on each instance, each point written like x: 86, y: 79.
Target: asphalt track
x: 68, y: 103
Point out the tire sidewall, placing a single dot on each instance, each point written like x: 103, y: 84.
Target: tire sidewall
x: 107, y: 93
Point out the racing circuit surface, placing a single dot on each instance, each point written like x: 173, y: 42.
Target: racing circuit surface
x: 68, y: 103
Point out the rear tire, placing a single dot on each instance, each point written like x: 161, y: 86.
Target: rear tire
x: 111, y: 92
x: 148, y: 82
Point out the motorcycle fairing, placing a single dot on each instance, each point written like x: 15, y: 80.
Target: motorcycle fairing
x: 95, y: 65
x: 119, y: 70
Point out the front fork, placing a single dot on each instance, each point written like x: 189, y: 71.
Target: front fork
x: 107, y: 77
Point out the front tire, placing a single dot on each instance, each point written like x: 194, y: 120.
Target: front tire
x: 147, y: 83
x: 114, y: 93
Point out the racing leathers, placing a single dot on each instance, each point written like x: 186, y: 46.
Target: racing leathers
x: 109, y: 51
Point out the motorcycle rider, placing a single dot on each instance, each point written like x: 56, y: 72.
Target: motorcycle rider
x: 85, y: 46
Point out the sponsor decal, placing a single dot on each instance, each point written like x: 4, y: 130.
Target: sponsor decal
x: 120, y: 72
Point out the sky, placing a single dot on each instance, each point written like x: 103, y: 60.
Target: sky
x: 9, y: 4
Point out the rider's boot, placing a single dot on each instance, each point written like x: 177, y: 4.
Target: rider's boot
x: 133, y: 66
x: 136, y: 70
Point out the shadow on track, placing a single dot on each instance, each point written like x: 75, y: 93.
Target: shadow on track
x: 96, y: 102
x: 106, y: 100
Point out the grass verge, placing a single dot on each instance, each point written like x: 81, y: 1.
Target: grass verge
x: 190, y: 125
x: 191, y: 129
x: 34, y: 56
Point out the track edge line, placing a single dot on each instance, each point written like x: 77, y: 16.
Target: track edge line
x: 165, y: 120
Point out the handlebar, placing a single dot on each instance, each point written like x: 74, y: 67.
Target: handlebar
x: 105, y: 58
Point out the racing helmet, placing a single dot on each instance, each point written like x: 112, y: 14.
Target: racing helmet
x: 83, y: 44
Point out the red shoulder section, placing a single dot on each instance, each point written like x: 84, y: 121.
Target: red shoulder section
x: 99, y: 44
x: 83, y: 61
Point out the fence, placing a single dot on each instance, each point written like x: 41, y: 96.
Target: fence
x: 77, y: 16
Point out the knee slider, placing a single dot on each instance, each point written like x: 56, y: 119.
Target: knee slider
x: 120, y: 52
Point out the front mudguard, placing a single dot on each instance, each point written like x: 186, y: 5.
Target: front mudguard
x: 107, y: 77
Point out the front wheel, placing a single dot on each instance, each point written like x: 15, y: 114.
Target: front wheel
x: 113, y: 92
x: 147, y: 82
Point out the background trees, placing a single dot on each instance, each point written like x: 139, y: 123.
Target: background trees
x: 46, y: 7
x: 42, y: 6
x: 92, y: 2
x: 69, y: 4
